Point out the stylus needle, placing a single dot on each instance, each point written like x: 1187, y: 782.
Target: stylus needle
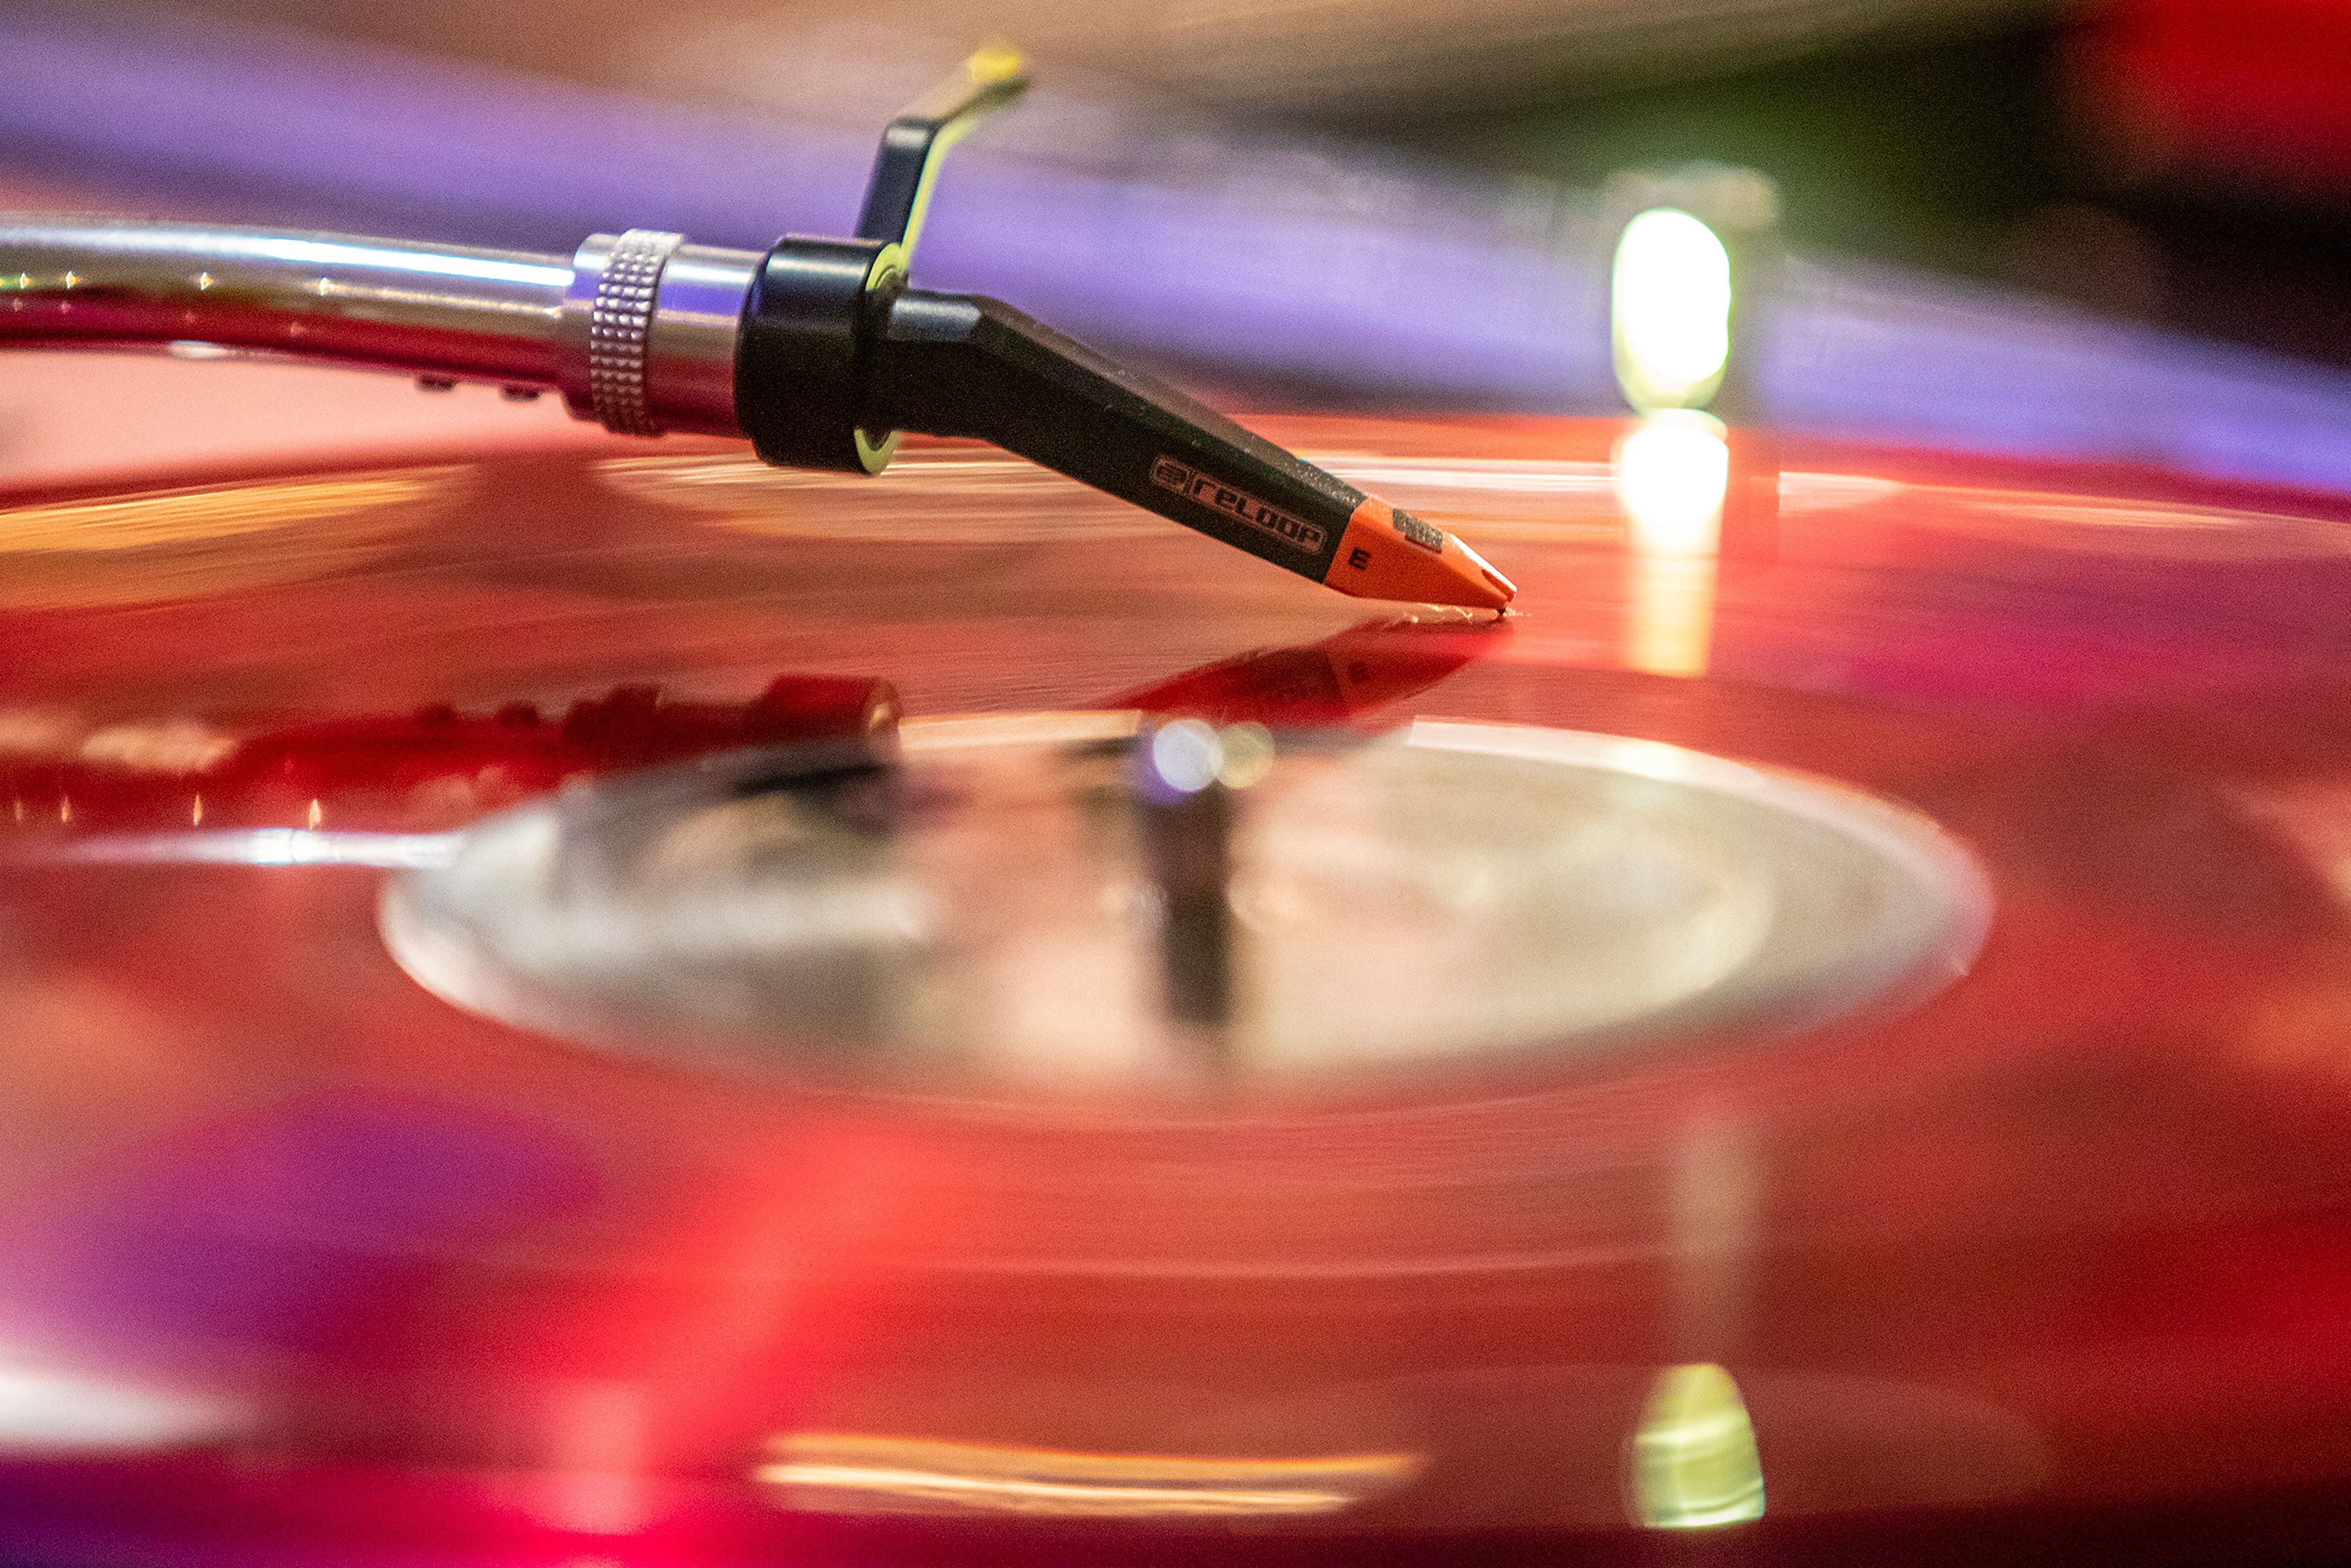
x: 947, y: 364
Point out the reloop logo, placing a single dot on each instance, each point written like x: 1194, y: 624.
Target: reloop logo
x: 1170, y: 474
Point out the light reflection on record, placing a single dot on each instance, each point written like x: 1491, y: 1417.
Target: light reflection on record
x: 999, y: 919
x: 212, y: 539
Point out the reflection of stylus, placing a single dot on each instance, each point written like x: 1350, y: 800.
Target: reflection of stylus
x: 816, y: 350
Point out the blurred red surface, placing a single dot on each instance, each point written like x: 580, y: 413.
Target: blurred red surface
x: 2056, y: 1259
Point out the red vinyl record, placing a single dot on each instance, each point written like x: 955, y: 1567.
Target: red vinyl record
x: 622, y: 1005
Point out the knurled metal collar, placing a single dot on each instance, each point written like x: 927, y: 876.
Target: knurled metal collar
x: 620, y: 324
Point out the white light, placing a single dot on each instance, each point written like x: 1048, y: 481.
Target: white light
x: 1187, y: 754
x: 1669, y: 305
x: 358, y: 254
x: 55, y: 1412
x: 257, y: 846
x: 1672, y: 475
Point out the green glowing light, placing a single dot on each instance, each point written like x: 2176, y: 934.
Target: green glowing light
x: 1694, y: 1464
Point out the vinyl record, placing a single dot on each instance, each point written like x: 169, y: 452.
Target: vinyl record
x: 622, y: 1005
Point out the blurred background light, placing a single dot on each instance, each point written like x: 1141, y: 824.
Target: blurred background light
x: 1245, y: 753
x: 1672, y: 473
x: 1185, y: 755
x: 1188, y: 755
x: 1670, y: 307
x: 2111, y: 229
x: 840, y: 1472
x: 1694, y: 1462
x: 59, y: 1413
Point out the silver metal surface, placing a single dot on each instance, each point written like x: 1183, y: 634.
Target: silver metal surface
x: 988, y: 917
x: 650, y: 325
x: 690, y: 351
x: 440, y: 312
x: 489, y: 315
x: 620, y: 322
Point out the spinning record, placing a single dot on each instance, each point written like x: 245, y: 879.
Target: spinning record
x: 603, y: 1007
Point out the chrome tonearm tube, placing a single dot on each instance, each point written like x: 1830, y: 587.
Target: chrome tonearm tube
x: 640, y: 348
x: 816, y: 350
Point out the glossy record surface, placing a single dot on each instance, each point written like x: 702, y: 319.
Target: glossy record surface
x: 966, y: 914
x: 303, y: 1263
